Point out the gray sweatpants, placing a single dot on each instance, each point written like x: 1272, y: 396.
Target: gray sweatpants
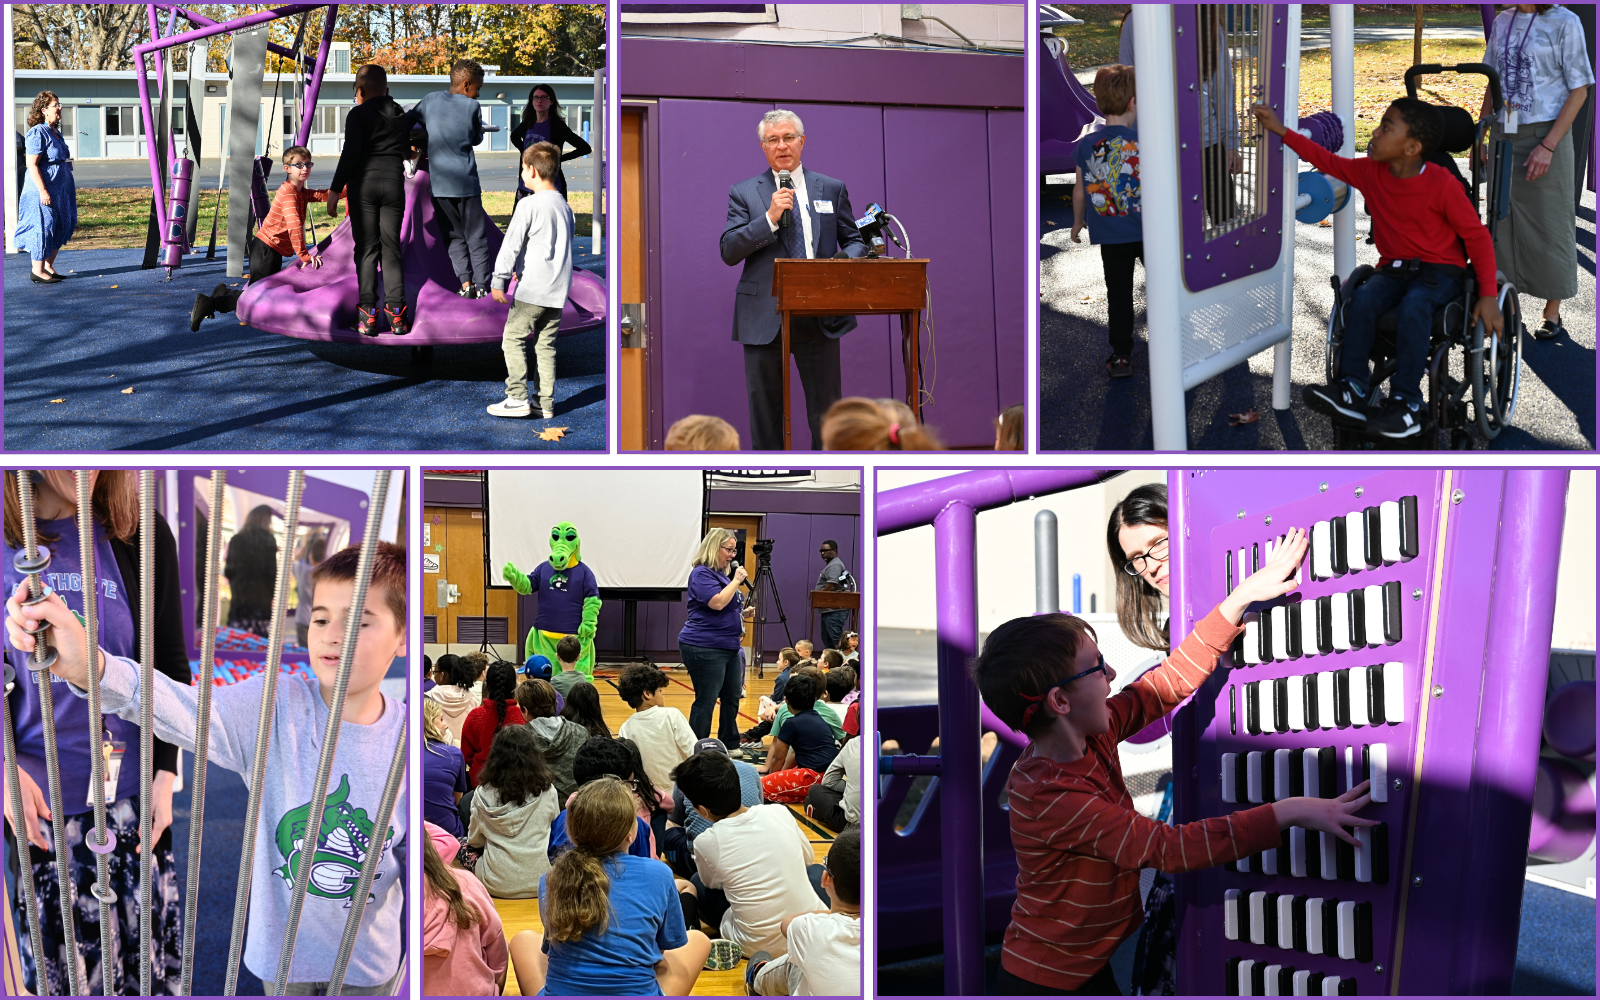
x: 541, y: 322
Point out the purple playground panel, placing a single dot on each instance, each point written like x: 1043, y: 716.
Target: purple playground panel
x: 320, y: 303
x: 1066, y: 108
x: 1476, y: 612
x: 871, y: 118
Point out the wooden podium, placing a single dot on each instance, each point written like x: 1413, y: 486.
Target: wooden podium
x: 833, y: 600
x: 855, y: 287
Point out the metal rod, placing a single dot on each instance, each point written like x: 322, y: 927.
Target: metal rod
x: 33, y: 563
x: 202, y: 729
x: 369, y: 865
x: 960, y: 767
x: 269, y: 695
x: 206, y: 22
x: 1046, y: 564
x: 147, y: 658
x: 913, y: 506
x: 99, y: 749
x: 314, y: 86
x: 330, y: 742
x: 19, y: 823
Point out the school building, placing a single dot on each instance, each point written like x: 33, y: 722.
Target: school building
x: 101, y: 118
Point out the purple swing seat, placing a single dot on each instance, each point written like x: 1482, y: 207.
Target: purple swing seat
x: 320, y: 303
x: 1066, y: 113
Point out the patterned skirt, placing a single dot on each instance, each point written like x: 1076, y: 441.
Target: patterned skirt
x: 166, y: 930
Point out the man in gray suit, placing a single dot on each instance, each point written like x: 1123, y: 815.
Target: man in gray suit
x: 820, y: 225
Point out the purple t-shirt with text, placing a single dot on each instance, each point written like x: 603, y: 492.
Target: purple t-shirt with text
x: 705, y: 626
x: 561, y: 596
x: 73, y: 742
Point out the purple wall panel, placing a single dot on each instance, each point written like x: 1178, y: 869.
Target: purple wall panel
x: 948, y: 222
x: 1007, y: 210
x: 706, y: 148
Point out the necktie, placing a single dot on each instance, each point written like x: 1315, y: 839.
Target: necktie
x: 794, y: 234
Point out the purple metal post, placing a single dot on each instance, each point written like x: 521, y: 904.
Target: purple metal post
x: 1510, y: 712
x: 157, y: 45
x: 314, y: 86
x: 203, y: 21
x: 955, y: 567
x: 919, y: 504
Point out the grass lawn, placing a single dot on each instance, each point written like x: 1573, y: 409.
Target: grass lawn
x: 1380, y: 78
x: 117, y: 218
x: 1095, y: 42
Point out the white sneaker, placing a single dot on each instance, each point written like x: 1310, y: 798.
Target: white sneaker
x: 549, y: 414
x: 509, y: 407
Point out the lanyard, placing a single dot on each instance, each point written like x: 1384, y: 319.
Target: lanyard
x: 1505, y: 60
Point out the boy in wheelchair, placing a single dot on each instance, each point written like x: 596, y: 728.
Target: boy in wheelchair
x: 1420, y: 220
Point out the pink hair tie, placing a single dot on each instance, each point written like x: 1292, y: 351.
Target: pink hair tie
x: 894, y: 435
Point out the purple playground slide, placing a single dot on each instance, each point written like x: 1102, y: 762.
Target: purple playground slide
x: 320, y: 303
x: 1066, y: 109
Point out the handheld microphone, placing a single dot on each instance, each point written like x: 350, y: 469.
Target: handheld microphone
x: 785, y: 182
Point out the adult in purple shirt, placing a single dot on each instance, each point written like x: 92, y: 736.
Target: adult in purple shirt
x: 710, y: 638
x: 116, y: 515
x: 444, y: 773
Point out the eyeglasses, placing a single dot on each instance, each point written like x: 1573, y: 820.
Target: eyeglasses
x: 730, y: 547
x: 1035, y: 700
x: 1138, y: 564
x: 543, y: 97
x: 304, y: 165
x: 781, y: 140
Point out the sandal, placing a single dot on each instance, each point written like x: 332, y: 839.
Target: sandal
x: 1550, y: 329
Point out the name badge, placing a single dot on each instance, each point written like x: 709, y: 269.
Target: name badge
x: 823, y: 207
x: 113, y: 753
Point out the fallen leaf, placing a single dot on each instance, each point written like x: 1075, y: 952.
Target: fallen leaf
x: 1239, y: 419
x: 58, y: 401
x: 552, y: 433
x: 113, y: 286
x: 127, y: 391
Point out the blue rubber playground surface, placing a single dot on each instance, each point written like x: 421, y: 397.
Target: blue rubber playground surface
x: 71, y: 351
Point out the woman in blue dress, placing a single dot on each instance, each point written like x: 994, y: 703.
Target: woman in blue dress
x: 542, y: 121
x: 48, y: 210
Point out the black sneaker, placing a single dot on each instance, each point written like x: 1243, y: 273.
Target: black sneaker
x: 1396, y: 419
x: 399, y: 322
x: 1119, y: 366
x: 1337, y: 399
x: 367, y: 321
x: 200, y: 312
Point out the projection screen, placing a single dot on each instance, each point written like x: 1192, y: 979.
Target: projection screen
x: 640, y: 527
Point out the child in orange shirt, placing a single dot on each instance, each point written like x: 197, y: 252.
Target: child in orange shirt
x: 1079, y: 841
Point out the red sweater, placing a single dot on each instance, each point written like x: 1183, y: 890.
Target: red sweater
x: 477, y: 733
x: 1080, y: 843
x: 1419, y: 216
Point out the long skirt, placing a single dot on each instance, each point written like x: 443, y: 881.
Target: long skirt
x: 1535, y: 246
x: 166, y: 931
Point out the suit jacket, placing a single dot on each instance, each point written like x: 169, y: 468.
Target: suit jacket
x: 750, y: 239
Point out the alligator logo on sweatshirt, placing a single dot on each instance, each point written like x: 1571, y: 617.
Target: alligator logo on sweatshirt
x: 341, y: 848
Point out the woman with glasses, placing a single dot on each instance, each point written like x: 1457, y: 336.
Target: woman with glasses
x: 282, y: 234
x: 709, y: 640
x: 542, y: 121
x: 1136, y: 538
x: 47, y: 212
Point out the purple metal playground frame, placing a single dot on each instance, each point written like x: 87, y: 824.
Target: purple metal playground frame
x: 1457, y: 906
x: 158, y: 44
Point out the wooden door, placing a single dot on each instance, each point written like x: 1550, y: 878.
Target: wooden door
x: 751, y: 526
x: 453, y: 543
x: 632, y: 400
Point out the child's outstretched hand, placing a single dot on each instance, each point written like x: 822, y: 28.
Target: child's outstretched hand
x: 66, y: 635
x: 1327, y: 815
x: 1273, y: 580
x: 1268, y: 119
x: 498, y: 295
x: 1488, y: 311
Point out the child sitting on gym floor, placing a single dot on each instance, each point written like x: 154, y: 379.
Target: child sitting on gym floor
x: 463, y: 941
x: 377, y: 141
x: 1420, y: 220
x: 568, y: 649
x: 282, y: 234
x: 811, y: 738
x: 614, y: 923
x: 1108, y: 177
x: 662, y: 734
x: 454, y: 121
x: 824, y: 956
x: 537, y: 248
x: 1080, y: 842
x: 372, y: 723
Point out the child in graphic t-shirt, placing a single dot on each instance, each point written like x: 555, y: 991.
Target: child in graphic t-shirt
x: 1105, y: 197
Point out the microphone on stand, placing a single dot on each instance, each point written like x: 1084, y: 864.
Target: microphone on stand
x: 785, y: 182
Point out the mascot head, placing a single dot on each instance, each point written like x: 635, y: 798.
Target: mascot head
x: 564, y: 546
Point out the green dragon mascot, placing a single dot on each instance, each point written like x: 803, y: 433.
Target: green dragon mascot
x: 569, y: 599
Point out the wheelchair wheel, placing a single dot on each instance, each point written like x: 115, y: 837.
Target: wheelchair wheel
x: 1494, y: 364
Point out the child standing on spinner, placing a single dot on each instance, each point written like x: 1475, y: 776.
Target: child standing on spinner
x: 455, y: 124
x: 1080, y: 843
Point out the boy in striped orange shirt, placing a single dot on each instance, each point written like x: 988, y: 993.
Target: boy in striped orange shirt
x: 1079, y: 841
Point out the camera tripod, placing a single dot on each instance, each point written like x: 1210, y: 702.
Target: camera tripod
x: 765, y: 584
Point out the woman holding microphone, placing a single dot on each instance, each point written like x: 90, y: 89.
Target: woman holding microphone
x: 709, y: 640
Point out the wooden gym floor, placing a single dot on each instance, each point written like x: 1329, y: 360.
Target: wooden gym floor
x: 523, y: 914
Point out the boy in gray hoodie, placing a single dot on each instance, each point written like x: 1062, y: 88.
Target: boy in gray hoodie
x: 538, y: 246
x: 371, y: 725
